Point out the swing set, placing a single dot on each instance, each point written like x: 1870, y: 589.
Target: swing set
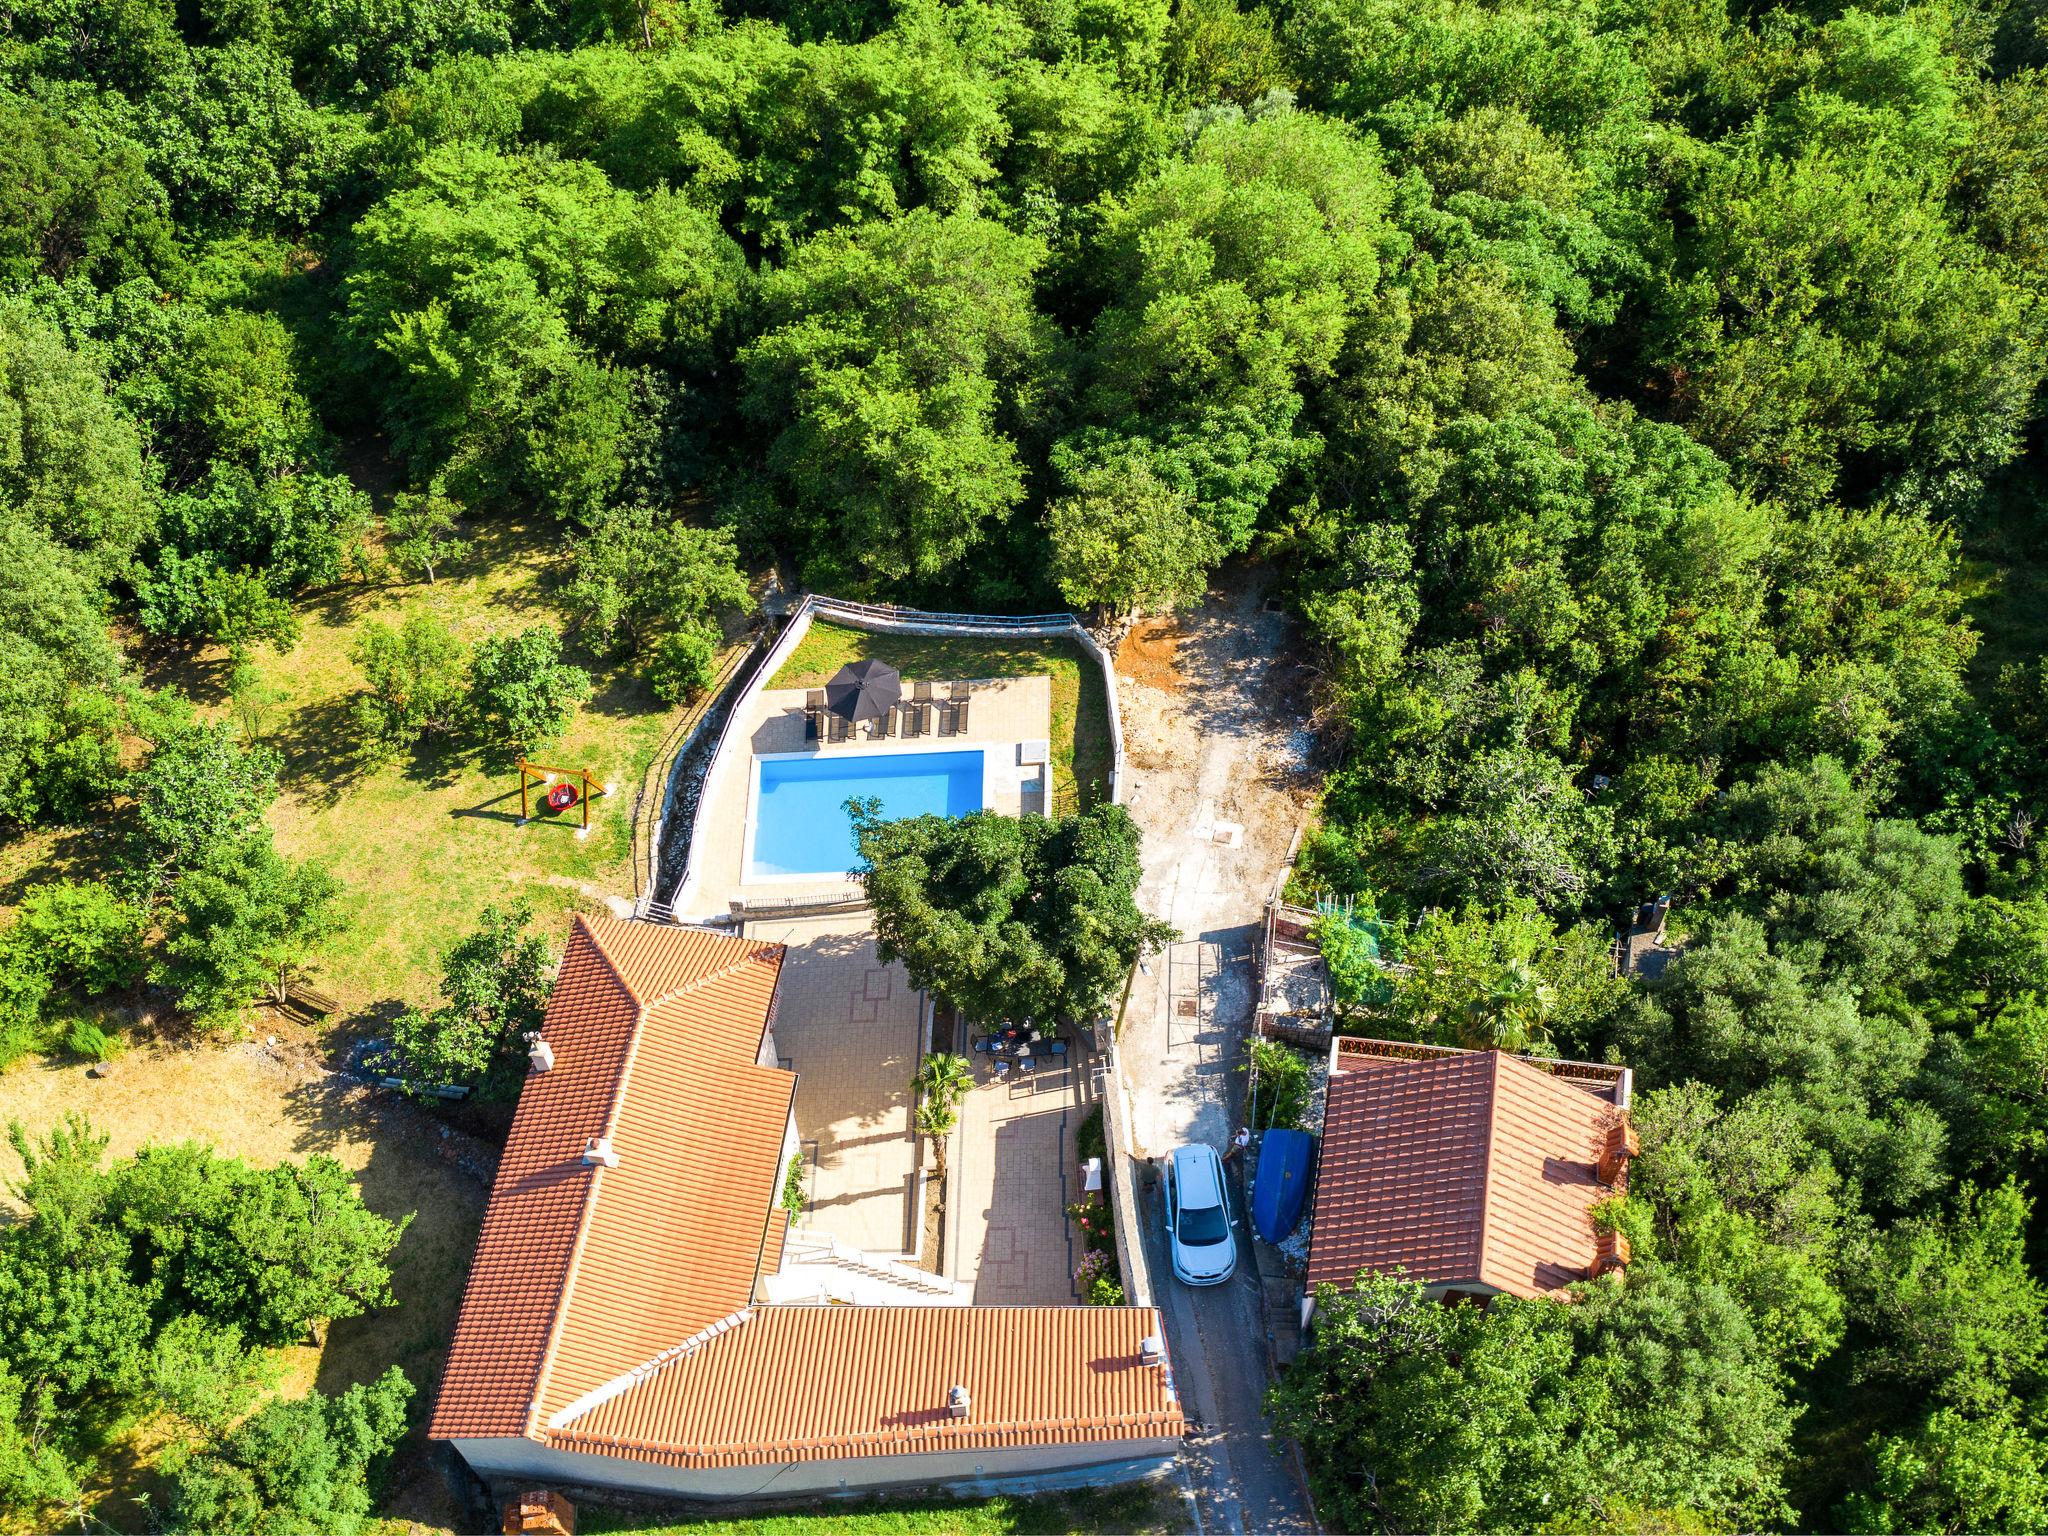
x: 563, y: 792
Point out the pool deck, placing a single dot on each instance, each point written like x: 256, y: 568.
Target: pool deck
x: 1005, y: 713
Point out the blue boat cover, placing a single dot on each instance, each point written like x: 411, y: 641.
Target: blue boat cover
x: 1281, y: 1187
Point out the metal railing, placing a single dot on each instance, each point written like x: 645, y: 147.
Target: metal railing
x: 887, y: 617
x: 655, y: 779
x: 1616, y: 1081
x: 895, y: 614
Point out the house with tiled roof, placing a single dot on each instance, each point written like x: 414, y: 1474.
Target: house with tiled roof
x: 628, y: 1321
x: 1475, y: 1172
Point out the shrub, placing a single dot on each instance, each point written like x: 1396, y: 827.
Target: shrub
x: 83, y: 933
x: 682, y: 665
x: 413, y: 678
x: 521, y: 688
x: 1280, y: 1086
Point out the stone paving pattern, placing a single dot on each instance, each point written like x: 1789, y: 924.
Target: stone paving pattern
x: 1013, y: 1175
x: 851, y: 1029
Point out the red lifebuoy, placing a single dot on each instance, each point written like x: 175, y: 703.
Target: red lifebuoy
x: 561, y: 796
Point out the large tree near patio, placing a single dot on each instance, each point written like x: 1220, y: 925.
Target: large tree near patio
x: 1009, y: 918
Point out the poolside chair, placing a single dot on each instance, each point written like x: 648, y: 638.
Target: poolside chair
x: 961, y: 693
x: 885, y: 728
x: 913, y: 718
x: 814, y: 715
x: 835, y: 728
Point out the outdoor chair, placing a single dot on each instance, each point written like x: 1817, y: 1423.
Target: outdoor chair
x: 921, y: 693
x: 913, y: 718
x: 885, y: 728
x: 986, y: 1045
x: 814, y: 715
x: 836, y: 728
x: 1056, y: 1049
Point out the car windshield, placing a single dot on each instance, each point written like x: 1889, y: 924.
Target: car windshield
x: 1203, y: 1225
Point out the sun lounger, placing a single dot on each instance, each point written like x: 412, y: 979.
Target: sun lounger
x: 814, y: 715
x: 885, y: 728
x: 836, y: 728
x: 913, y: 718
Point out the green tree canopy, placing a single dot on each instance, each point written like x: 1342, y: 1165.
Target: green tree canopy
x: 1010, y: 918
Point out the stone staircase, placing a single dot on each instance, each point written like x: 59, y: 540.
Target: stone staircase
x: 818, y: 1267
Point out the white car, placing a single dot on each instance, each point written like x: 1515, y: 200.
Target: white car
x: 1198, y: 1220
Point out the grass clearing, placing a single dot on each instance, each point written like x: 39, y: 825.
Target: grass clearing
x: 1081, y: 754
x: 423, y: 843
x: 250, y: 1105
x: 1140, y: 1509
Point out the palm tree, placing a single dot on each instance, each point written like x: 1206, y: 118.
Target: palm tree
x: 941, y: 1082
x: 1514, y: 1013
x: 943, y: 1078
x: 935, y: 1121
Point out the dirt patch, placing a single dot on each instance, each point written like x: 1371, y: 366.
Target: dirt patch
x: 267, y: 1105
x: 1150, y: 654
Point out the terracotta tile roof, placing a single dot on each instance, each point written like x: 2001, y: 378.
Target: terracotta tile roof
x: 797, y: 1383
x: 608, y: 1308
x: 1474, y: 1166
x: 655, y: 1031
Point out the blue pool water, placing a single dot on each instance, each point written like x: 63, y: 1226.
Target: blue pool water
x: 800, y: 821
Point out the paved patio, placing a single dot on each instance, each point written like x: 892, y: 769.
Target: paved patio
x: 1014, y: 1174
x: 1005, y: 712
x: 851, y: 1029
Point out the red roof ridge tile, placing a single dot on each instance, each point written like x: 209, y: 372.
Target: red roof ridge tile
x: 597, y: 1173
x: 1486, y: 1155
x: 626, y: 1380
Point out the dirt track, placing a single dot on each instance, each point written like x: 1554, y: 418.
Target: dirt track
x: 1214, y: 736
x: 1214, y: 713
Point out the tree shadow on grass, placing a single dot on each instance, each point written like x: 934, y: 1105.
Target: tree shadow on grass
x: 622, y: 693
x: 324, y: 752
x: 199, y: 671
x: 82, y: 852
x: 438, y: 761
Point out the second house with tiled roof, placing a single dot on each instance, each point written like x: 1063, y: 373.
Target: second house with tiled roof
x: 1474, y: 1172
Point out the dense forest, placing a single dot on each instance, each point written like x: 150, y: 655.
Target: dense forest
x: 1639, y: 399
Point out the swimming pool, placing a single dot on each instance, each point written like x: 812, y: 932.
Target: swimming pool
x: 800, y: 825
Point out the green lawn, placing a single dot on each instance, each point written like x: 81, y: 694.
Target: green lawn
x: 1081, y: 755
x: 421, y: 844
x: 1139, y: 1510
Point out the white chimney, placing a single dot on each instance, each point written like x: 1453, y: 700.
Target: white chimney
x: 957, y: 1403
x: 541, y: 1054
x: 598, y: 1153
x: 1151, y: 1350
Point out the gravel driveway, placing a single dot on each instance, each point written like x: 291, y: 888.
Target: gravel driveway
x: 1214, y: 743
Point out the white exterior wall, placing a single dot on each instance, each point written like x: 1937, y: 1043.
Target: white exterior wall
x: 1020, y: 1469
